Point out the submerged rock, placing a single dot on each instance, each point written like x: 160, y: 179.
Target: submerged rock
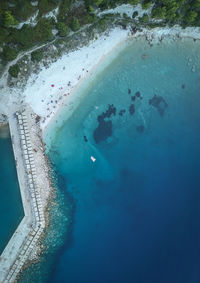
x: 110, y: 111
x: 103, y: 131
x: 85, y: 139
x: 121, y: 112
x: 140, y: 129
x: 137, y: 94
x: 159, y: 103
x: 132, y: 109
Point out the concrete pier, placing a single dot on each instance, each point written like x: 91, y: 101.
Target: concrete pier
x: 26, y: 236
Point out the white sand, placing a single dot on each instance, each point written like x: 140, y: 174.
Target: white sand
x: 128, y: 10
x: 53, y: 86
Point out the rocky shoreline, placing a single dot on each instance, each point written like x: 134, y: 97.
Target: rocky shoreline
x: 3, y: 120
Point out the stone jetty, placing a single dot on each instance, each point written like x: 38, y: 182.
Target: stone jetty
x: 32, y: 172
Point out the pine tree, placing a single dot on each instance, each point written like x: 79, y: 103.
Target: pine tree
x: 75, y: 25
x: 9, y: 20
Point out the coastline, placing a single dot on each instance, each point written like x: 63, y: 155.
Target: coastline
x: 58, y: 87
x: 79, y: 68
x: 51, y: 89
x: 4, y: 130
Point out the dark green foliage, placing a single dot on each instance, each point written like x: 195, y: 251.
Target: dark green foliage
x: 89, y: 19
x: 9, y: 19
x: 75, y: 25
x: 90, y: 9
x: 180, y: 2
x: 29, y: 36
x: 190, y: 17
x: 9, y: 54
x: 64, y: 9
x: 103, y: 24
x: 43, y: 6
x: 47, y: 5
x: 183, y: 12
x: 196, y: 4
x: 144, y: 19
x: 56, y: 2
x: 171, y: 8
x: 146, y: 5
x: 98, y: 2
x: 125, y: 16
x: 62, y: 28
x: 14, y: 70
x: 36, y: 56
x: 43, y: 30
x: 135, y: 14
x: 24, y: 37
x: 3, y: 34
x: 91, y: 3
x: 159, y: 12
x: 23, y: 9
x: 133, y: 2
x: 177, y: 11
x: 197, y: 20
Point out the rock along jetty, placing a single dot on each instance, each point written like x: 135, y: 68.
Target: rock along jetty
x: 35, y: 187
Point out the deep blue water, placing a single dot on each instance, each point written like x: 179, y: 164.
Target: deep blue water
x: 11, y: 210
x: 136, y: 209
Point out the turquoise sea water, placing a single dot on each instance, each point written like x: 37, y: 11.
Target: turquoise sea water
x: 11, y: 210
x: 134, y: 214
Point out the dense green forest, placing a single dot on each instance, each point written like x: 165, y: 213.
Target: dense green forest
x: 72, y: 15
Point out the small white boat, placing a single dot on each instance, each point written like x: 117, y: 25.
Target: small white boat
x: 92, y: 158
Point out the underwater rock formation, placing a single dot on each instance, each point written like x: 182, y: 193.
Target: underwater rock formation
x: 110, y: 111
x: 137, y: 94
x: 104, y: 129
x: 159, y: 103
x: 121, y: 112
x: 132, y: 109
x: 85, y: 139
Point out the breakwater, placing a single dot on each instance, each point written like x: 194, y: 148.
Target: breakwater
x: 32, y: 172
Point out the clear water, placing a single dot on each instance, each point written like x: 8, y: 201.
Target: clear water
x: 136, y: 209
x: 11, y: 210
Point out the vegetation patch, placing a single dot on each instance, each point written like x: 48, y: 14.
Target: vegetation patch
x: 36, y: 56
x: 73, y: 15
x: 9, y: 53
x: 75, y: 25
x: 62, y: 28
x: 14, y: 70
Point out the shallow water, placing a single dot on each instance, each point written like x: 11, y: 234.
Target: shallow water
x: 11, y: 210
x: 136, y: 209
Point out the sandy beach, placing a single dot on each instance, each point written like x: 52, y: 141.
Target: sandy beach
x: 53, y: 87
